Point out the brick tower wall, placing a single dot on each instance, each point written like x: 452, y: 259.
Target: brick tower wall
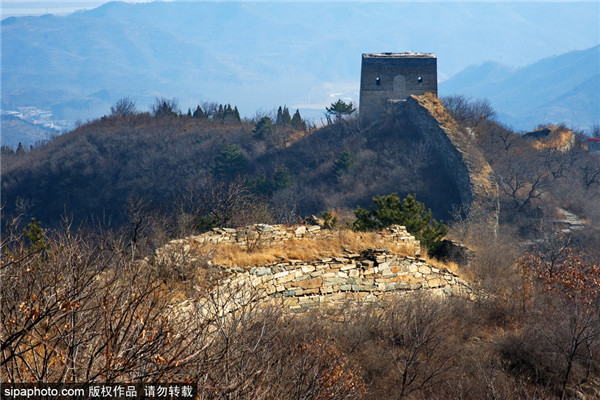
x: 389, y: 77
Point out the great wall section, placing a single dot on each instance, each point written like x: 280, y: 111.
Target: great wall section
x: 365, y: 276
x: 472, y: 173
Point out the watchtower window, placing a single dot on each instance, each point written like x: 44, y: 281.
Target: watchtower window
x: 377, y: 81
x: 400, y: 86
x: 420, y: 79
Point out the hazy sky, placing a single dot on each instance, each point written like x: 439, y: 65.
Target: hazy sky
x: 18, y: 8
x: 15, y: 8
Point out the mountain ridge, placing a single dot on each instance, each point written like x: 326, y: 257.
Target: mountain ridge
x: 299, y: 54
x: 551, y: 90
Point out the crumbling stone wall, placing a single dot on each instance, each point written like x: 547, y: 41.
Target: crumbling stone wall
x: 273, y: 235
x: 463, y: 161
x: 367, y: 276
x: 333, y: 282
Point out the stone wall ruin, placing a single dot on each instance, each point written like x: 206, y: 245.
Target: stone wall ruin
x: 368, y: 276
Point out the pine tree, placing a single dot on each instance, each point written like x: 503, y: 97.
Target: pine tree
x: 36, y: 235
x: 230, y: 162
x: 279, y: 119
x: 282, y: 178
x: 263, y: 128
x: 390, y: 210
x: 228, y: 111
x: 344, y: 161
x: 199, y: 113
x: 220, y: 112
x: 339, y: 109
x: 286, y: 119
x: 297, y: 122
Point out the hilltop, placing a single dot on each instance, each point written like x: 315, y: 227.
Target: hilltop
x: 97, y: 170
x: 179, y: 268
x: 458, y: 161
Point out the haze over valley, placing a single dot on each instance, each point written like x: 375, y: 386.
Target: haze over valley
x: 305, y: 55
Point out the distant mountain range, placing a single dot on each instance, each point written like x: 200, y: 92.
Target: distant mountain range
x: 16, y: 130
x: 265, y: 54
x: 563, y: 88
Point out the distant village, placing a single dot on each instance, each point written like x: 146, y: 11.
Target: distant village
x: 39, y: 117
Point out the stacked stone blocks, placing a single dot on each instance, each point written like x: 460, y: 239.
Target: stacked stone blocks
x: 332, y: 281
x: 368, y: 276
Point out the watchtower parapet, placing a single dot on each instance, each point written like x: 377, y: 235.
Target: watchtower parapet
x: 389, y: 77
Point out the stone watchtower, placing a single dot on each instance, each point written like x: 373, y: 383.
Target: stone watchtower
x: 390, y: 77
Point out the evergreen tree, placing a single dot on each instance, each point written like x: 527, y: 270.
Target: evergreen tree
x: 230, y: 162
x: 279, y: 119
x: 282, y: 178
x: 339, y: 109
x: 189, y: 113
x: 37, y: 237
x: 286, y: 119
x: 343, y: 162
x: 231, y: 114
x: 263, y: 128
x: 391, y: 210
x: 265, y: 186
x: 297, y: 122
x: 220, y: 112
x: 262, y: 185
x: 199, y: 113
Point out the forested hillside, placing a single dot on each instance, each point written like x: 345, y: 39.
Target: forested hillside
x: 102, y: 286
x: 190, y: 162
x: 97, y: 170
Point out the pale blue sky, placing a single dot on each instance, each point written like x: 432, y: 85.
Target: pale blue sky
x: 12, y: 8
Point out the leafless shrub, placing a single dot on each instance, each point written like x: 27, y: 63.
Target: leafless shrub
x: 403, y: 346
x: 262, y: 353
x: 81, y: 311
x: 123, y: 108
x: 468, y: 111
x: 163, y: 107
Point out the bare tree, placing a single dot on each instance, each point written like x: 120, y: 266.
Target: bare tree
x: 81, y: 311
x: 163, y: 107
x: 521, y: 179
x: 123, y: 108
x: 556, y: 162
x: 221, y: 203
x: 467, y: 111
x: 417, y: 155
x: 413, y: 333
x: 565, y: 318
x: 589, y: 167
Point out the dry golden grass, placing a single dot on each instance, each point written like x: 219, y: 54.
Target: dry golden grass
x: 451, y: 266
x: 437, y: 109
x: 307, y: 249
x: 559, y: 138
